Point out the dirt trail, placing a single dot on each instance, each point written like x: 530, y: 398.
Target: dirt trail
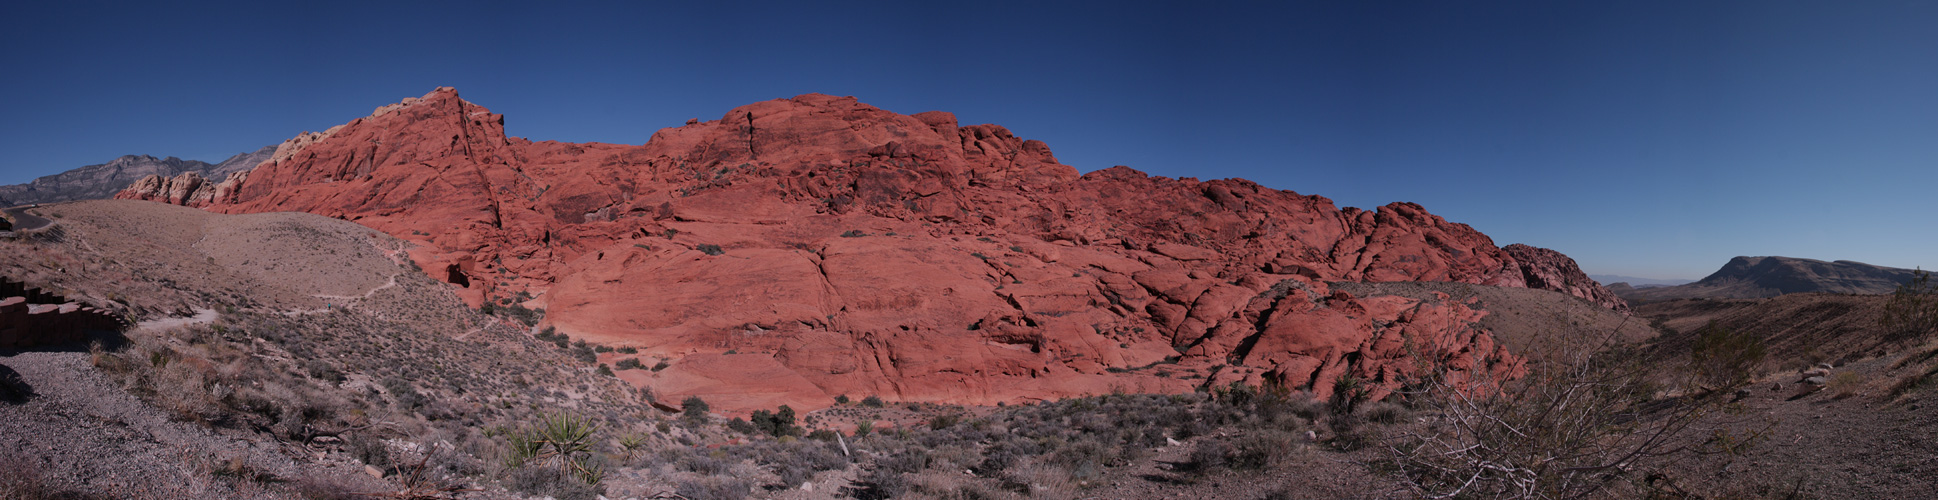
x: 202, y: 316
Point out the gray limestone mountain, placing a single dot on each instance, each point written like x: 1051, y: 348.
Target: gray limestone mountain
x: 1759, y: 277
x: 102, y: 181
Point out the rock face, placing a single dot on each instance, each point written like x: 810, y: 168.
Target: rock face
x: 1550, y: 270
x: 1760, y: 277
x: 798, y: 249
x: 94, y: 182
x: 189, y: 188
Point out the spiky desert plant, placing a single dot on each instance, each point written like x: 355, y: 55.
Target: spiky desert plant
x: 630, y: 443
x: 562, y: 441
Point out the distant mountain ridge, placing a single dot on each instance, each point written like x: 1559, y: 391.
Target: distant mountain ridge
x: 1759, y: 277
x: 102, y: 181
x: 1637, y: 282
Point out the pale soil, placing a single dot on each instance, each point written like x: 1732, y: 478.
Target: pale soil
x: 83, y: 433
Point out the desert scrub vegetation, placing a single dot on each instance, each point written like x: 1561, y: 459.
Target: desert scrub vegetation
x: 1913, y: 309
x: 1723, y: 358
x: 1065, y: 447
x: 1594, y: 425
x: 555, y: 458
x: 414, y: 403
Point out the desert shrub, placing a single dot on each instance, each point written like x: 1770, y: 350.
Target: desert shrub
x: 1207, y: 455
x: 604, y: 370
x: 841, y: 400
x: 695, y: 409
x: 324, y: 487
x: 24, y: 480
x: 853, y: 233
x: 1385, y: 413
x: 1722, y: 358
x: 864, y: 427
x: 1913, y: 309
x: 709, y: 249
x: 797, y: 464
x: 370, y: 450
x: 1911, y: 381
x: 714, y: 488
x: 742, y: 426
x: 871, y: 402
x: 322, y: 370
x: 777, y: 423
x: 702, y: 464
x: 546, y: 482
x: 403, y: 393
x: 941, y: 422
x: 1844, y: 384
x: 628, y: 350
x: 1259, y: 450
x: 1566, y: 430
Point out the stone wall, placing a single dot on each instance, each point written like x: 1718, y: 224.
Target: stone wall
x: 31, y: 317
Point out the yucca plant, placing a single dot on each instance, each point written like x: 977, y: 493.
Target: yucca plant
x: 560, y: 441
x: 631, y: 442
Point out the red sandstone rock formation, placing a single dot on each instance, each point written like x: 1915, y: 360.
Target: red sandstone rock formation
x: 802, y: 248
x: 1550, y: 270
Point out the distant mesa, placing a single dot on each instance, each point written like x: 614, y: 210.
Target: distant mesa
x: 96, y: 182
x: 798, y: 249
x: 1760, y: 277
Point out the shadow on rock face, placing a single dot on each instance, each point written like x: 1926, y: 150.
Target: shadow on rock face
x: 13, y: 390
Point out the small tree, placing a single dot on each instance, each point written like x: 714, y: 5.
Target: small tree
x: 1913, y: 309
x: 694, y: 408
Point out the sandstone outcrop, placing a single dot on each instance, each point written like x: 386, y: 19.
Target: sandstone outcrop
x: 189, y: 188
x: 1550, y: 270
x: 95, y: 182
x: 797, y: 249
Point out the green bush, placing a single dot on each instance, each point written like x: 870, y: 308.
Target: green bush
x: 694, y: 408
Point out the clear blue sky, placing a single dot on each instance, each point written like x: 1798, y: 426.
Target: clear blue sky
x: 1644, y: 139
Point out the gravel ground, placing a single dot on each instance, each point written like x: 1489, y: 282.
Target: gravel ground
x: 82, y: 433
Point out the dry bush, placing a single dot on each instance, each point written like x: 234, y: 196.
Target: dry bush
x: 24, y: 480
x: 1913, y: 309
x: 1844, y: 384
x: 1570, y: 429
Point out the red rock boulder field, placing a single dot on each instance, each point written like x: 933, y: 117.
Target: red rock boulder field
x: 798, y: 249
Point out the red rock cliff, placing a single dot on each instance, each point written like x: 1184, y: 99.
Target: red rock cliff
x: 835, y: 248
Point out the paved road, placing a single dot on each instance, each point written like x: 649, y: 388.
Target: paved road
x: 24, y: 221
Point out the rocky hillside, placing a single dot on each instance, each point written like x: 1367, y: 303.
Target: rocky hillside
x: 1759, y: 277
x: 94, y: 182
x: 798, y: 249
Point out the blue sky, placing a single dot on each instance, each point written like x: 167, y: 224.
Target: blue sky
x: 1653, y: 139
